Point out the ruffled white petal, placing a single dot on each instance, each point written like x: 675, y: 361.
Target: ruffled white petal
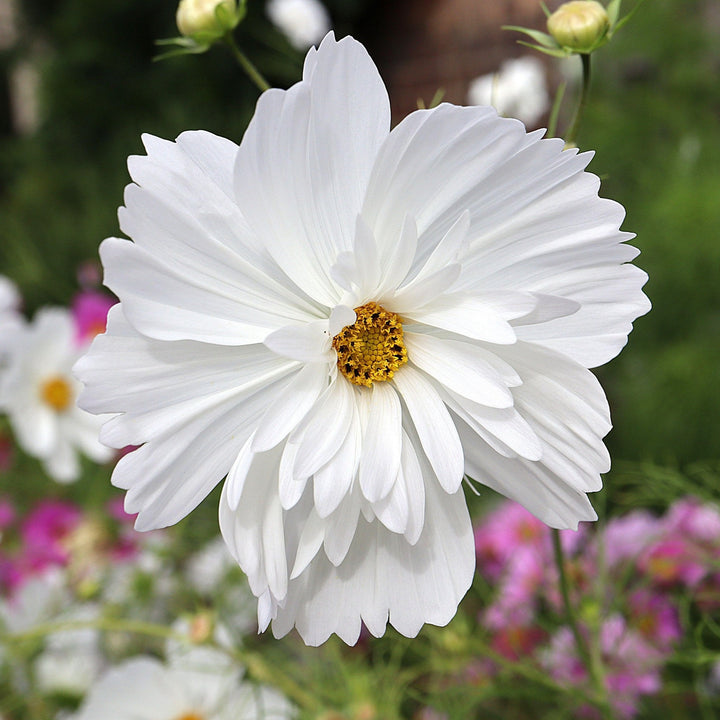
x: 434, y: 427
x: 461, y: 367
x: 565, y: 407
x: 536, y: 222
x: 304, y: 163
x: 384, y: 578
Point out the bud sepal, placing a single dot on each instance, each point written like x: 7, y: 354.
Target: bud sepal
x: 202, y: 29
x: 578, y: 27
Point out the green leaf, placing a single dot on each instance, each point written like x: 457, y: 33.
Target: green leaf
x: 539, y: 37
x: 553, y: 52
x: 613, y: 11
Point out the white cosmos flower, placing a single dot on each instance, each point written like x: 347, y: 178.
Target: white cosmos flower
x: 262, y: 278
x: 304, y: 22
x: 38, y: 392
x: 518, y: 89
x: 144, y: 688
x: 10, y: 318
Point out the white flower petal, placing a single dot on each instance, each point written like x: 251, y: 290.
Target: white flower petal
x: 301, y: 392
x: 465, y: 315
x: 324, y: 429
x: 460, y: 367
x: 332, y: 481
x: 381, y: 443
x: 290, y: 486
x: 384, y: 577
x: 504, y: 429
x: 309, y: 343
x: 341, y: 316
x: 311, y: 540
x: 425, y: 289
x: 235, y: 481
x: 435, y: 429
x: 340, y: 530
x: 398, y: 258
x: 305, y: 160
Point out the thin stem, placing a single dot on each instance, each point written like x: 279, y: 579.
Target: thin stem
x: 252, y: 72
x: 571, y: 134
x: 589, y: 653
x: 256, y: 666
x: 555, y: 111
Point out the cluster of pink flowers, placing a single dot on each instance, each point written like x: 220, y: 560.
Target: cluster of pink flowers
x: 625, y: 578
x: 57, y: 534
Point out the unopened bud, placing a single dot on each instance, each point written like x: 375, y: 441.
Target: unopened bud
x: 579, y: 25
x: 202, y: 16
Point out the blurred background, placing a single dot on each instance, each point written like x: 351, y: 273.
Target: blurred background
x: 78, y: 86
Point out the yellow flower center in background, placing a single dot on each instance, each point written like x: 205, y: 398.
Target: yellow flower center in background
x: 191, y: 716
x: 57, y: 393
x: 372, y: 348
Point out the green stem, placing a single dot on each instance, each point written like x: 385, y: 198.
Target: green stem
x: 571, y: 134
x: 589, y: 652
x: 252, y: 72
x: 255, y: 664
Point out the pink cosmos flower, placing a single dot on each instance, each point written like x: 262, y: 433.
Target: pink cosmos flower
x: 691, y: 518
x: 655, y: 617
x: 632, y: 666
x: 626, y: 537
x: 43, y: 532
x: 674, y: 560
x: 90, y: 309
x: 7, y: 513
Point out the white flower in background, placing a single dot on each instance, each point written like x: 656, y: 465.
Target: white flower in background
x: 345, y: 320
x: 213, y: 572
x: 144, y: 688
x: 518, y: 90
x: 304, y: 22
x: 10, y: 319
x: 38, y: 600
x: 208, y: 568
x: 38, y: 392
x: 71, y: 660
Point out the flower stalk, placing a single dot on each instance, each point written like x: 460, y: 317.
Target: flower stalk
x: 245, y: 63
x: 571, y: 134
x: 254, y: 662
x: 589, y: 653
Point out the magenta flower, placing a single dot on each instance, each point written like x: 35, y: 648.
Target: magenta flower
x: 655, y: 617
x: 632, y: 665
x: 692, y: 519
x: 44, y: 531
x: 90, y: 309
x: 625, y: 538
x: 674, y: 560
x: 7, y: 513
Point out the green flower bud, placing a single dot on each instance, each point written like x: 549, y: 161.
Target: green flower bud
x: 579, y: 25
x: 204, y: 16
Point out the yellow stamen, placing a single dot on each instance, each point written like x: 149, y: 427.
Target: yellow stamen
x: 57, y: 392
x: 191, y: 716
x: 372, y: 348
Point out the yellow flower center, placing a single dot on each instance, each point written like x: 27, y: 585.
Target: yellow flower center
x: 191, y: 716
x: 372, y: 348
x: 57, y: 393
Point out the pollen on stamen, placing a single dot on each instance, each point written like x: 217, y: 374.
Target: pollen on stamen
x: 372, y: 348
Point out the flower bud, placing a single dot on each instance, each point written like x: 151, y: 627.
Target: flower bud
x: 579, y: 25
x: 201, y: 16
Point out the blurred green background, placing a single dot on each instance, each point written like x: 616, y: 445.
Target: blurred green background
x: 653, y: 119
